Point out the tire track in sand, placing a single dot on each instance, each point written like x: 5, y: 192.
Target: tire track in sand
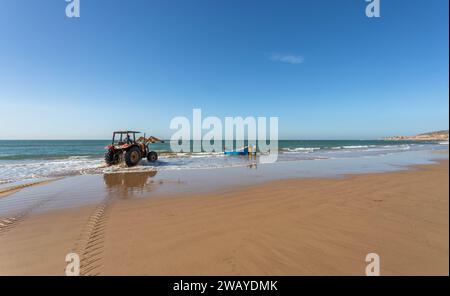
x: 7, y: 223
x: 90, y: 244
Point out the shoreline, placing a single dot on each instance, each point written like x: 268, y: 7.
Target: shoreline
x: 289, y: 151
x: 141, y: 183
x: 284, y: 227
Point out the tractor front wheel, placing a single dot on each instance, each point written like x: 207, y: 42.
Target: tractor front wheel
x: 111, y: 157
x: 133, y: 156
x: 152, y: 156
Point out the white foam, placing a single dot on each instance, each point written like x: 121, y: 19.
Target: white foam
x: 12, y: 172
x: 355, y: 147
x: 301, y: 149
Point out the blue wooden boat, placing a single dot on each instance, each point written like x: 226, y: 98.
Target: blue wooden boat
x: 243, y: 151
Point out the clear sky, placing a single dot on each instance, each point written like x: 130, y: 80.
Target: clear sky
x: 322, y: 66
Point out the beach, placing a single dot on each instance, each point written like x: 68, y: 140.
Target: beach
x: 213, y: 140
x: 290, y: 226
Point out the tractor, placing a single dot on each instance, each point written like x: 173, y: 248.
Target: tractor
x: 125, y: 145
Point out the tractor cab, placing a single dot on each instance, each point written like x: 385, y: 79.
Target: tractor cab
x: 121, y: 138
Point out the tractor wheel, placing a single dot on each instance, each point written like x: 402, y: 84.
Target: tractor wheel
x: 111, y: 157
x: 133, y: 156
x: 152, y: 156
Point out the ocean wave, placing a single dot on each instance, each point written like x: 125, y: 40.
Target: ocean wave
x: 190, y: 154
x: 31, y: 157
x: 355, y: 146
x: 47, y: 168
x: 301, y: 149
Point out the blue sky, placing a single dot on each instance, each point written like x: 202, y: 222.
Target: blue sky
x: 322, y: 66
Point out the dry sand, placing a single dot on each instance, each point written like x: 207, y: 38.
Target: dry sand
x: 290, y: 227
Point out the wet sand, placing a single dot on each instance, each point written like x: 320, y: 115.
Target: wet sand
x: 286, y: 227
x: 7, y: 190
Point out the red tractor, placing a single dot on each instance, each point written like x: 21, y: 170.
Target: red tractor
x: 125, y: 145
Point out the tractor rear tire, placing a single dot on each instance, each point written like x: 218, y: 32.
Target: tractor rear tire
x: 133, y: 156
x: 111, y: 157
x: 152, y: 156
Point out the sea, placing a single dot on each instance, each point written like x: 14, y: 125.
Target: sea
x: 27, y: 160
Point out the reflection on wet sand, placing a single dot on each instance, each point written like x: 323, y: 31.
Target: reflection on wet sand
x: 253, y: 166
x: 128, y: 183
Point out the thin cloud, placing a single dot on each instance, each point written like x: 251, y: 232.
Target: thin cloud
x: 287, y: 58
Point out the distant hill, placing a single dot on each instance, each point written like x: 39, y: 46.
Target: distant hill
x: 431, y: 136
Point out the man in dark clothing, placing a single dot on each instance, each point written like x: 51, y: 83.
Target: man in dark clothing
x: 128, y: 139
